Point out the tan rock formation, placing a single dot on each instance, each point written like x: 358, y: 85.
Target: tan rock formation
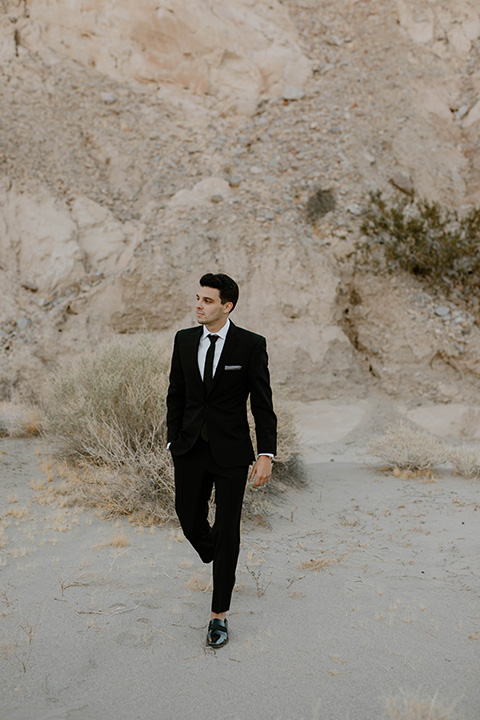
x: 38, y: 238
x: 236, y: 51
x: 435, y: 138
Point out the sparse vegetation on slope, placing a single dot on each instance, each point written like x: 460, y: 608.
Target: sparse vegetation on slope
x: 428, y: 241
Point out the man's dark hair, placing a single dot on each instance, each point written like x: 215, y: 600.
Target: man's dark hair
x: 227, y: 287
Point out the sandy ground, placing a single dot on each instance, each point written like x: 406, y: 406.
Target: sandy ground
x: 364, y: 586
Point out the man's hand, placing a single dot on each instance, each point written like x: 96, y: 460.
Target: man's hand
x: 261, y: 471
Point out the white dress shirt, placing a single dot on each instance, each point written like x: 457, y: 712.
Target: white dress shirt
x: 204, y: 344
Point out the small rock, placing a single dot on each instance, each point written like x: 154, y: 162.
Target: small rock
x: 369, y: 157
x: 402, y: 182
x: 355, y: 209
x: 23, y: 323
x: 217, y: 198
x: 269, y: 215
x: 292, y: 92
x: 108, y: 98
x: 462, y: 111
x: 442, y: 311
x: 30, y: 286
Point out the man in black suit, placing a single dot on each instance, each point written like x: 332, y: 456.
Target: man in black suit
x: 215, y: 368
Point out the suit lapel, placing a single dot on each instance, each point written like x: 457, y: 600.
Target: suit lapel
x: 228, y: 346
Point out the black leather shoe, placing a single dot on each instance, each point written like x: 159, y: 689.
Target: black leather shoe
x: 217, y: 635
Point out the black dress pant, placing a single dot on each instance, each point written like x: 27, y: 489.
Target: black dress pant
x: 196, y: 473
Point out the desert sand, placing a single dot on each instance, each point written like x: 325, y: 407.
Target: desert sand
x: 362, y: 586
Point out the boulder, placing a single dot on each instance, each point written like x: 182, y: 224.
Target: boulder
x: 39, y: 237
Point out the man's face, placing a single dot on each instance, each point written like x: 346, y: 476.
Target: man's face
x: 210, y: 310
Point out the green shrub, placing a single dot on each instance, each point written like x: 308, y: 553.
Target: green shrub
x: 107, y: 417
x: 426, y: 240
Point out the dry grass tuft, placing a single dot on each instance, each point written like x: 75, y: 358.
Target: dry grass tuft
x: 17, y: 512
x: 19, y: 650
x: 319, y: 563
x: 18, y: 420
x: 404, y: 447
x: 426, y: 475
x: 119, y: 540
x: 107, y: 416
x: 413, y: 708
x: 413, y: 454
x: 198, y: 583
x: 466, y: 461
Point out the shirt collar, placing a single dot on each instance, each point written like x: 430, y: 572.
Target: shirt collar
x: 221, y: 333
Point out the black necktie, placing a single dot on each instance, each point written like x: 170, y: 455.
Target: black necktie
x: 208, y: 371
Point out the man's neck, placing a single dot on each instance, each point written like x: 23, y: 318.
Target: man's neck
x: 216, y: 327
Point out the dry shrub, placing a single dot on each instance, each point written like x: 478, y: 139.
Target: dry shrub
x: 407, y: 448
x: 107, y: 416
x: 288, y: 469
x: 466, y: 461
x: 413, y: 708
x: 117, y: 492
x: 424, y: 476
x: 19, y: 420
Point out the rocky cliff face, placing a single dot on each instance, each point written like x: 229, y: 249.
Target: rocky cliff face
x: 144, y: 143
x: 232, y: 51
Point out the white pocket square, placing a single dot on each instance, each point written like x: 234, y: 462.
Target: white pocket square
x: 233, y: 367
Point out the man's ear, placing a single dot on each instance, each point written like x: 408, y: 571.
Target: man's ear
x: 228, y: 307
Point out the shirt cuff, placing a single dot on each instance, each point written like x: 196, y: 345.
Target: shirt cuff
x: 267, y: 454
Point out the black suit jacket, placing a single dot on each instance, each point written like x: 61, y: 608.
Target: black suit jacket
x: 242, y: 371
